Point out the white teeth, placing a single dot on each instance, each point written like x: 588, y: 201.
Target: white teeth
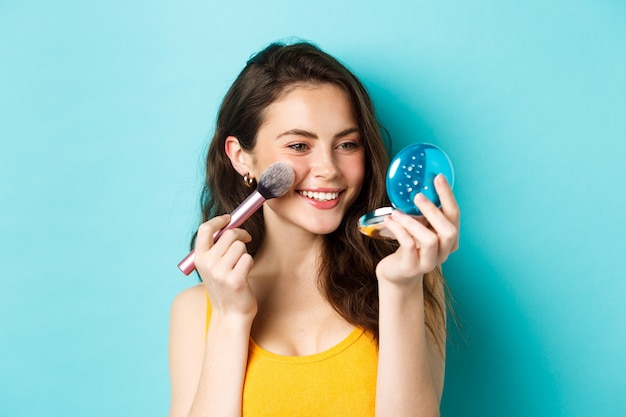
x: 319, y: 196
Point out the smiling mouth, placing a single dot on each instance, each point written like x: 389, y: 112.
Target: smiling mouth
x: 319, y: 196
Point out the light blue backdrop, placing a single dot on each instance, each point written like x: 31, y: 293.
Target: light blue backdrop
x: 105, y: 109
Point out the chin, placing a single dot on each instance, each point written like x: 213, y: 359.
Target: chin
x: 324, y: 229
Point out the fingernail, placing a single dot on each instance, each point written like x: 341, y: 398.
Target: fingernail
x: 421, y: 198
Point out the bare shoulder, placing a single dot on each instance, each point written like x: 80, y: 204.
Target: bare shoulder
x: 190, y: 298
x: 189, y: 307
x: 186, y: 346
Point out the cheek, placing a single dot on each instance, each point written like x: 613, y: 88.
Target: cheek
x: 301, y: 170
x: 262, y: 161
x: 355, y: 170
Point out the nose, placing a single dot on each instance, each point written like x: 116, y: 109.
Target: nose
x: 324, y: 165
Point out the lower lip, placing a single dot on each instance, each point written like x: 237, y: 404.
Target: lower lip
x: 322, y: 205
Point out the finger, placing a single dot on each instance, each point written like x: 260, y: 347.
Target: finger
x: 422, y: 238
x: 449, y: 205
x: 227, y: 262
x: 243, y: 265
x: 218, y: 260
x: 228, y: 237
x: 447, y: 231
x: 404, y: 238
x: 204, y: 238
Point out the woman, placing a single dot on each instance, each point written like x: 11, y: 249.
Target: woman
x: 299, y: 314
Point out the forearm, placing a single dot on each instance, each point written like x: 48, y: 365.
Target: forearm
x: 406, y: 384
x: 223, y: 372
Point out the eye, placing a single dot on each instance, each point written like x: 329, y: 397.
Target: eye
x: 299, y: 146
x: 349, y: 145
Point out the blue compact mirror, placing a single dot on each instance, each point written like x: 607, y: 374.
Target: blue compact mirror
x: 412, y: 171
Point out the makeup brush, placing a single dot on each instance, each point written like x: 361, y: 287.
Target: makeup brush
x: 274, y: 182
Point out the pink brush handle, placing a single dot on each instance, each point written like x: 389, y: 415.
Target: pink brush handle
x: 237, y: 217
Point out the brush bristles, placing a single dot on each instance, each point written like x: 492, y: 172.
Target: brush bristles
x: 276, y: 180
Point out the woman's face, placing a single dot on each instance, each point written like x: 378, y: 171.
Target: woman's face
x: 312, y: 127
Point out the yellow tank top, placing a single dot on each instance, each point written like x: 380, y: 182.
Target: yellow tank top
x: 338, y: 382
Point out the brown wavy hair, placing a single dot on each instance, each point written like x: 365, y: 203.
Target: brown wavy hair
x: 348, y: 261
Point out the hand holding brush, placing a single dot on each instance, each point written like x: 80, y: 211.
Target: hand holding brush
x: 274, y: 182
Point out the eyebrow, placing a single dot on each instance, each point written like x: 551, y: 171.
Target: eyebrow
x: 311, y: 135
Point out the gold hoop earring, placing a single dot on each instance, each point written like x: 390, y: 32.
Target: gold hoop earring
x: 248, y: 180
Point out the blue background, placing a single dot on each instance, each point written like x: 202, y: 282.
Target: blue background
x: 105, y: 111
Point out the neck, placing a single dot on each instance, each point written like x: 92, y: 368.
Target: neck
x: 284, y: 279
x: 289, y: 256
x: 287, y: 262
